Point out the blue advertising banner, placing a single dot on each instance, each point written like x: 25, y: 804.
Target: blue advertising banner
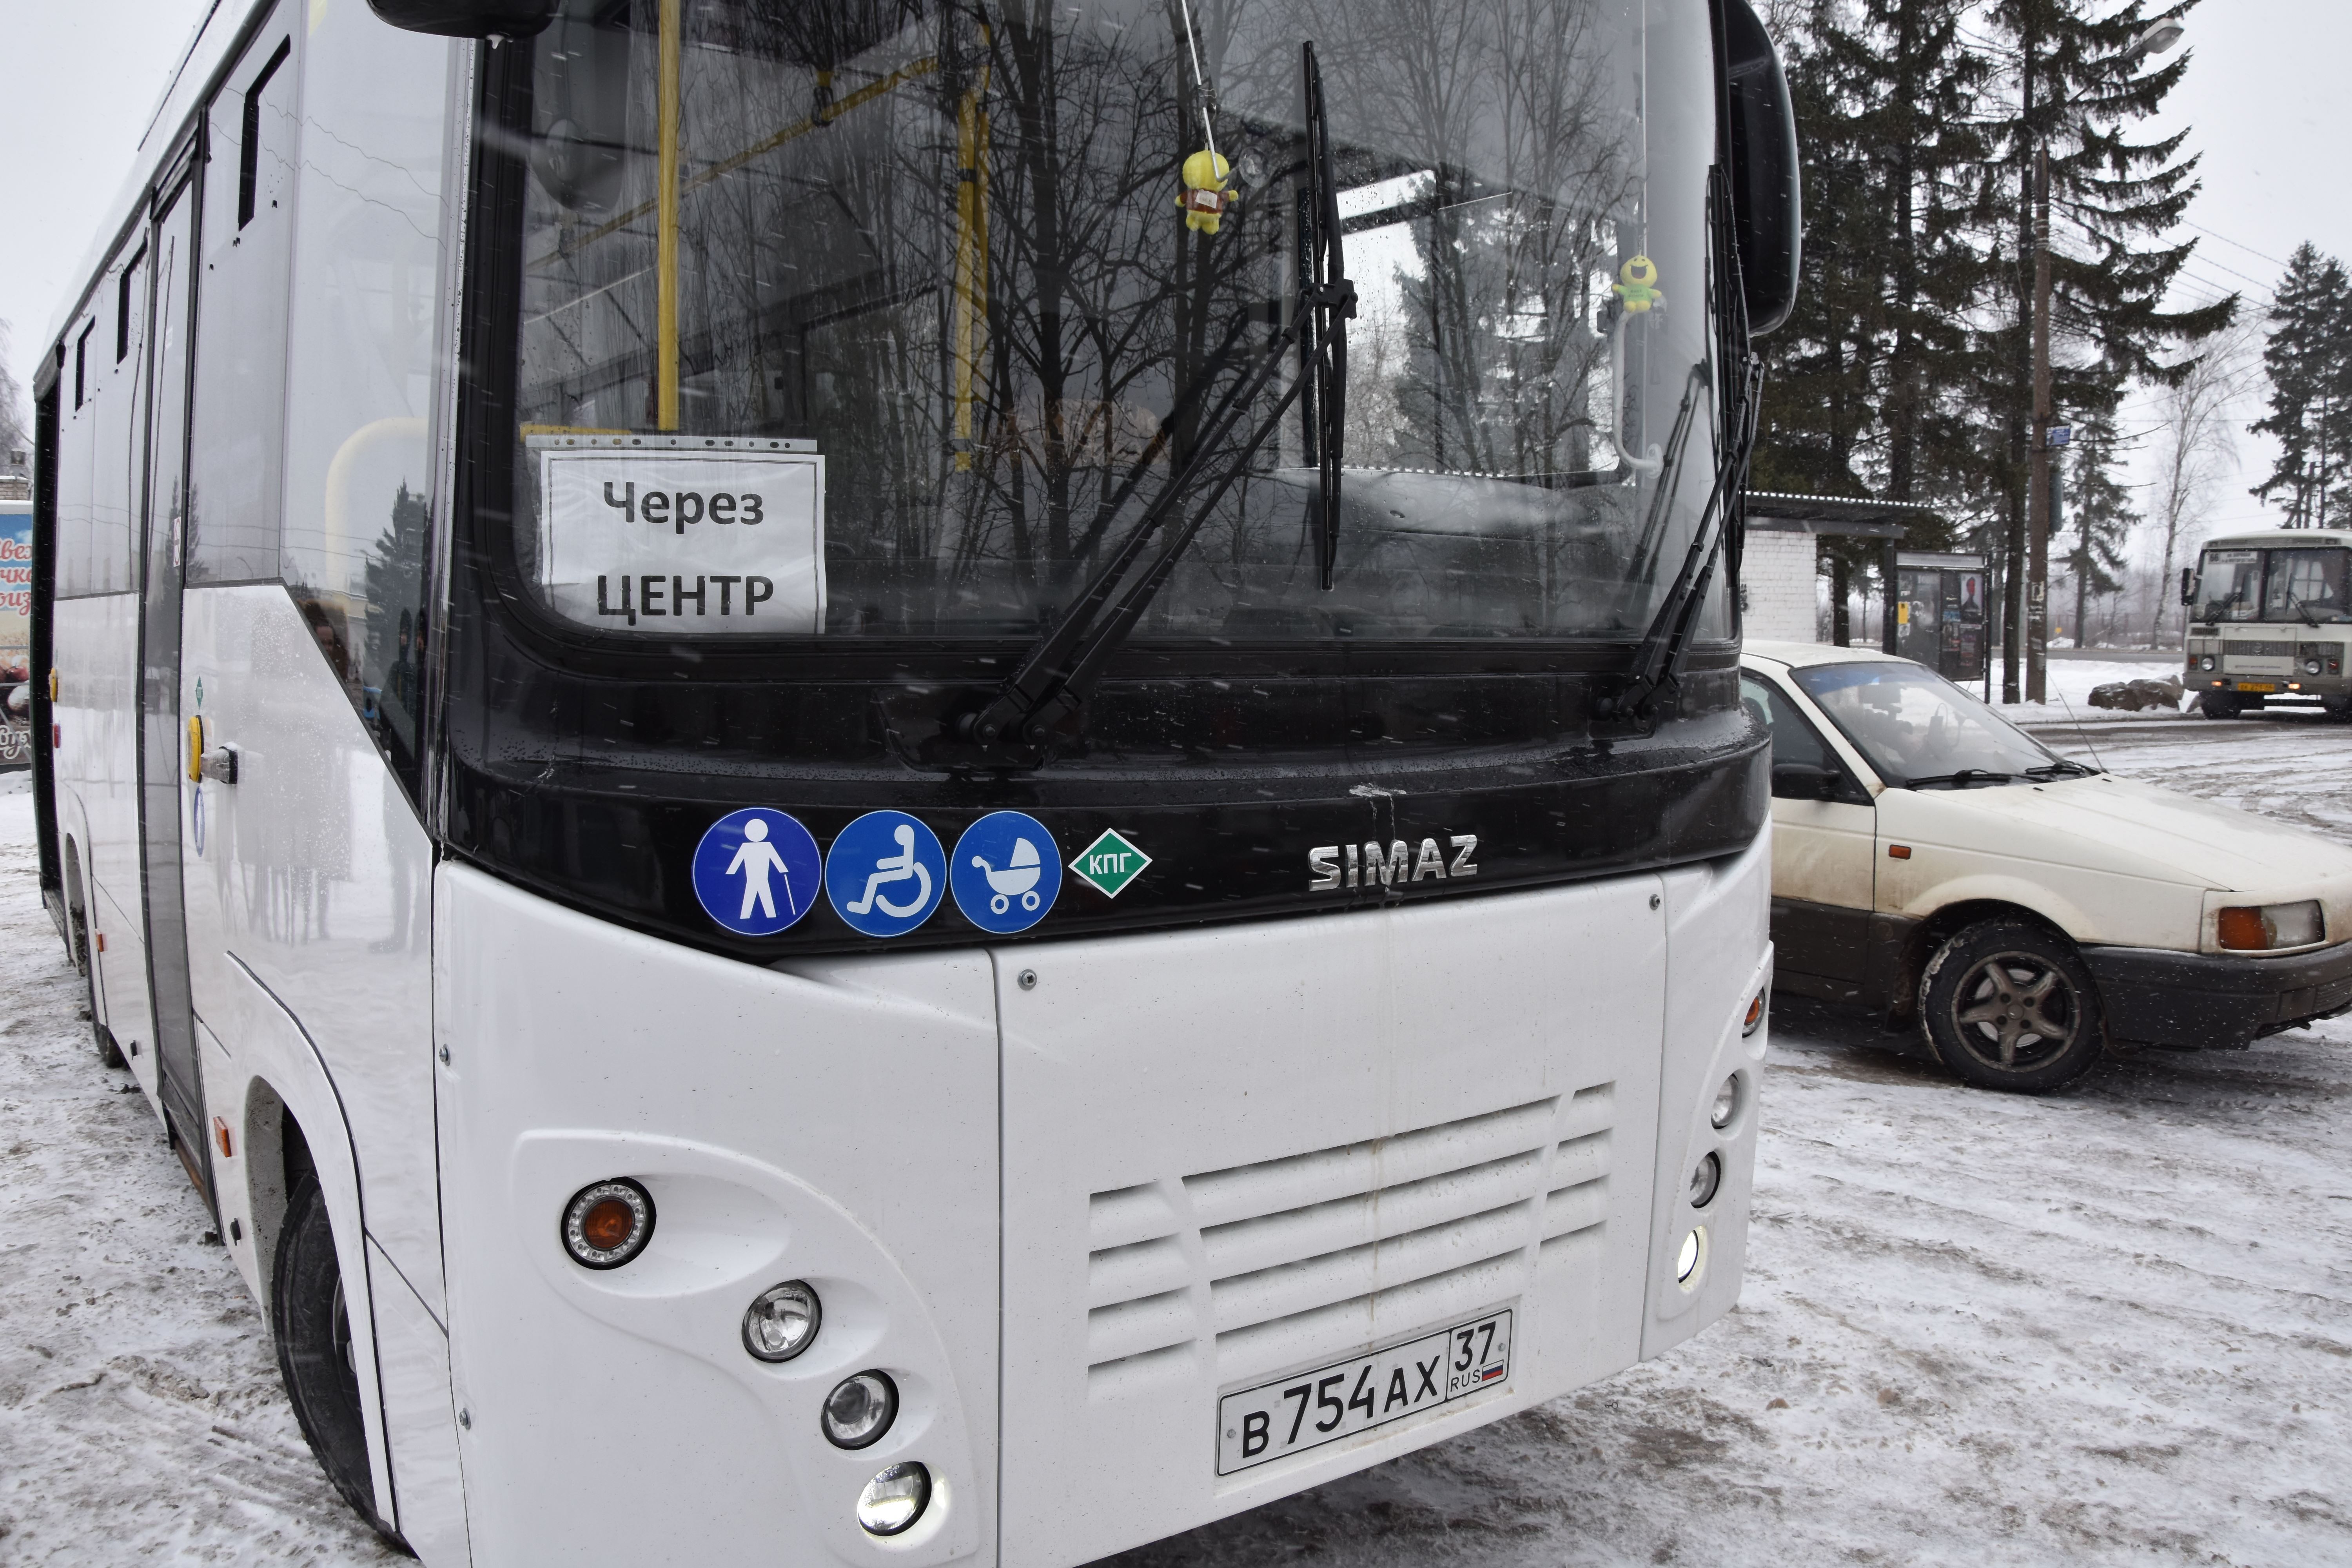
x: 15, y: 634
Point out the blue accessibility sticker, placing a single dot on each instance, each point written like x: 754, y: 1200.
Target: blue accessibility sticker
x: 756, y: 871
x: 1006, y: 872
x: 886, y: 874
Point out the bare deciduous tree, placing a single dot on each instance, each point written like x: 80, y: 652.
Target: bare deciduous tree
x: 2196, y: 445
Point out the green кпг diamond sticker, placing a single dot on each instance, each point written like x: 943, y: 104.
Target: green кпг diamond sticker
x: 1109, y: 864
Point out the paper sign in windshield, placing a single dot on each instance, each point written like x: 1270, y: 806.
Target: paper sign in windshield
x: 704, y: 542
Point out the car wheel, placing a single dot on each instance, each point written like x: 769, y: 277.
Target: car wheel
x: 2009, y: 1005
x: 314, y: 1350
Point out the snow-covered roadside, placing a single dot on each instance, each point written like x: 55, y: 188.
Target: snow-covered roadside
x: 140, y: 1415
x: 2070, y: 682
x: 2115, y: 1326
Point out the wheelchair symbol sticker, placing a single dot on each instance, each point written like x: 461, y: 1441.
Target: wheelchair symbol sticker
x: 886, y: 874
x: 1006, y: 872
x: 756, y: 871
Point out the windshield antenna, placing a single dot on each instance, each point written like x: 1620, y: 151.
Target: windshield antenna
x: 2094, y: 745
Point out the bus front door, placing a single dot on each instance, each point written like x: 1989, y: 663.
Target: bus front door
x: 162, y: 754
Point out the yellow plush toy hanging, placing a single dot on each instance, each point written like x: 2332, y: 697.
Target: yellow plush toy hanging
x: 1639, y: 288
x: 1206, y: 195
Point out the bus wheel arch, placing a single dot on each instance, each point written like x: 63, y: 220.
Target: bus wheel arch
x: 302, y: 1197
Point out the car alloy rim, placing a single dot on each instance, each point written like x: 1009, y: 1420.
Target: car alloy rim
x: 2015, y: 1010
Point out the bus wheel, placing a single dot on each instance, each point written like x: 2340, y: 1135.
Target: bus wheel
x: 314, y: 1350
x: 109, y: 1053
x: 2217, y: 705
x: 2009, y: 1005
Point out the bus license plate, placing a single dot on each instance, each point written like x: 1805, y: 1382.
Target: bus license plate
x: 2257, y: 686
x: 1308, y: 1409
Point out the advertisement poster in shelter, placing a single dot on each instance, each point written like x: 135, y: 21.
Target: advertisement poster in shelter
x: 15, y: 634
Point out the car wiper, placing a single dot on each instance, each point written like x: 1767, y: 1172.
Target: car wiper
x: 1054, y: 678
x: 2064, y: 767
x: 1960, y: 780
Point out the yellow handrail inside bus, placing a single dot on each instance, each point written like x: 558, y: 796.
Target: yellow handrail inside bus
x: 666, y: 241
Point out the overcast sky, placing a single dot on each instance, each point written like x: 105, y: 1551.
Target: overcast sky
x: 2266, y: 99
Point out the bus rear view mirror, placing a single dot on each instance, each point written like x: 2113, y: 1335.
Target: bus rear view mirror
x: 1767, y: 193
x: 2188, y: 584
x: 468, y: 19
x: 1803, y: 781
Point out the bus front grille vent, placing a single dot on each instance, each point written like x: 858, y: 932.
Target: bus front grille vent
x: 2259, y: 649
x: 1290, y: 1258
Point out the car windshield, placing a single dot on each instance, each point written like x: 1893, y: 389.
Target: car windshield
x: 1917, y: 728
x: 959, y: 283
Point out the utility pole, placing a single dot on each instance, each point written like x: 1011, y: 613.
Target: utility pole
x: 2037, y: 492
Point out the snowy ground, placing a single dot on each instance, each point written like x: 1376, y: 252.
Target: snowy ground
x: 2115, y: 1326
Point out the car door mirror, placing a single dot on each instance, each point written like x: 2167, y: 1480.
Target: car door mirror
x: 1803, y: 781
x: 1766, y: 192
x: 468, y: 19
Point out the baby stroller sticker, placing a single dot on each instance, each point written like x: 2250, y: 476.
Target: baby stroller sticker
x: 756, y: 871
x: 1005, y: 872
x: 886, y: 874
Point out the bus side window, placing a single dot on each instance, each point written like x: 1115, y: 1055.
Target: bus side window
x: 361, y: 361
x: 238, y: 463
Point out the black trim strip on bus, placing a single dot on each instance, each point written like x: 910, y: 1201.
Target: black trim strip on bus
x: 587, y: 768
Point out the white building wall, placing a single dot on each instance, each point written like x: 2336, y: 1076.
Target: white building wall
x: 1777, y: 573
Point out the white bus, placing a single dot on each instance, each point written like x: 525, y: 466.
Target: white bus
x: 2271, y: 612
x: 923, y: 781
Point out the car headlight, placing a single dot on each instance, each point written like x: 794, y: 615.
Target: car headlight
x: 2261, y: 929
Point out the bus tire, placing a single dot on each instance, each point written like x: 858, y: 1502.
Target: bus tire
x: 110, y: 1054
x: 314, y: 1350
x: 2217, y: 705
x: 2009, y: 1005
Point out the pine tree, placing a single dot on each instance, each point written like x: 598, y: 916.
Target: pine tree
x: 2098, y: 519
x: 2308, y: 359
x: 2112, y: 201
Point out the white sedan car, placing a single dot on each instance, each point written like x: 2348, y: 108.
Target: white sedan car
x: 1936, y: 865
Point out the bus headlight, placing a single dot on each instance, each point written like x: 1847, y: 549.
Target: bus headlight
x: 2311, y: 667
x: 893, y: 1500
x: 2206, y: 662
x: 860, y: 1409
x: 1726, y: 1104
x: 608, y: 1224
x: 781, y: 1322
x: 1688, y: 1261
x: 1706, y: 1178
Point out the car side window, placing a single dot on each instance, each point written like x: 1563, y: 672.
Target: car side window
x: 1794, y: 738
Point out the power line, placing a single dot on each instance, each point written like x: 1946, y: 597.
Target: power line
x: 2225, y: 239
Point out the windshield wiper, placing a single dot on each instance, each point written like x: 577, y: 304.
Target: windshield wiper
x: 2063, y: 768
x: 1061, y: 668
x: 1960, y: 780
x: 1658, y: 661
x: 2301, y: 610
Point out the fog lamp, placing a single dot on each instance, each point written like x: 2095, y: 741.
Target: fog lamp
x: 781, y: 1322
x: 860, y: 1409
x: 2260, y: 929
x: 893, y: 1500
x: 1686, y: 1261
x: 1704, y: 1179
x: 1726, y: 1104
x: 608, y: 1224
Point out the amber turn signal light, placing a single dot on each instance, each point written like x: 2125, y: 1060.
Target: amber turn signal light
x: 608, y: 1224
x: 1755, y: 1014
x: 1898, y: 852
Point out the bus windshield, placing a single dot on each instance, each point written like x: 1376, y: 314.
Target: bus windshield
x: 2235, y: 583
x: 985, y: 270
